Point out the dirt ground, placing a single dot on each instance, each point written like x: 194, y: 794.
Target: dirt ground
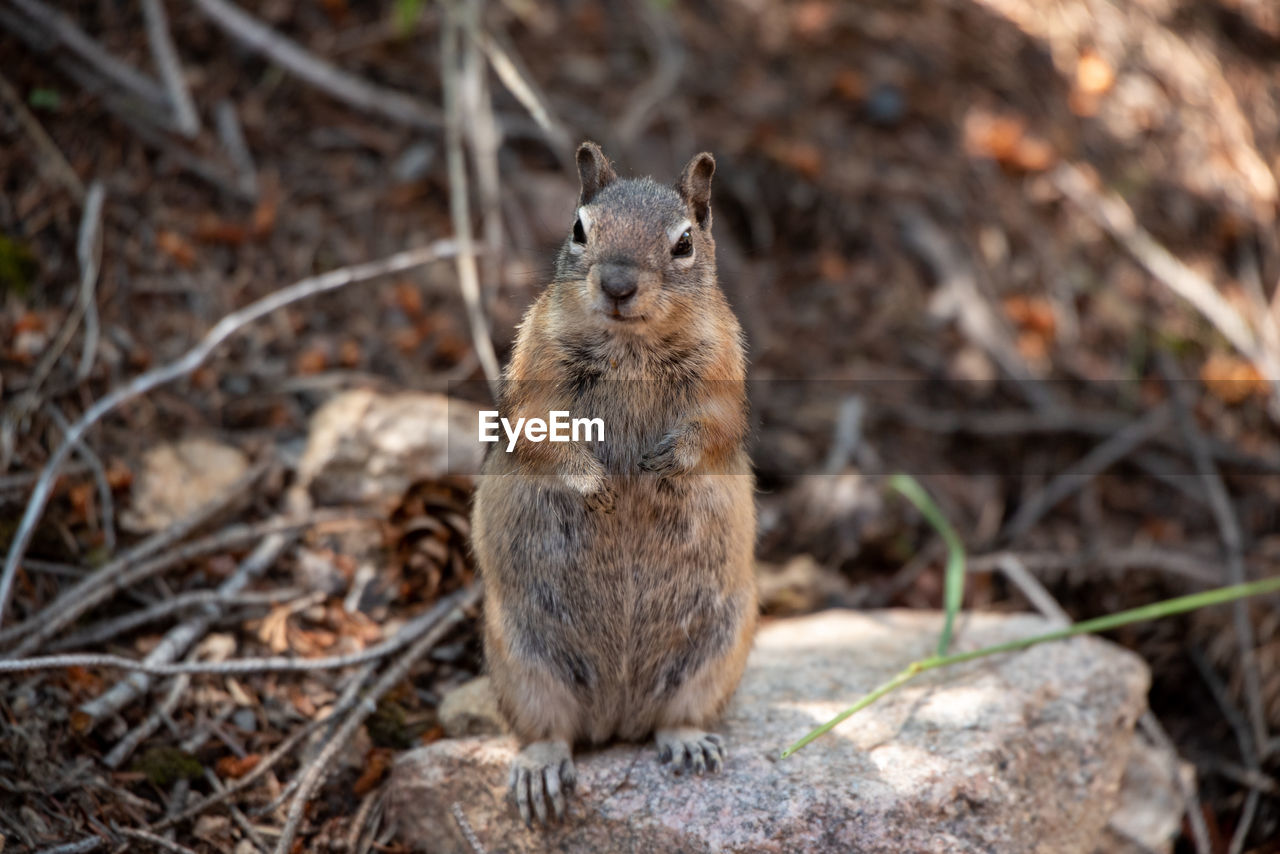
x: 968, y: 240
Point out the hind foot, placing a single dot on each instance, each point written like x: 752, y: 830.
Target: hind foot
x: 685, y: 747
x: 541, y: 773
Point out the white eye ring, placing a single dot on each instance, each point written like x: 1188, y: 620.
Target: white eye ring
x: 584, y: 219
x: 673, y: 233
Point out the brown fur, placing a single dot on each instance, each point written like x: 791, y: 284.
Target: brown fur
x: 620, y: 595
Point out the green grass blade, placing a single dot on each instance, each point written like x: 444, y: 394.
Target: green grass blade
x: 953, y: 584
x: 1156, y: 610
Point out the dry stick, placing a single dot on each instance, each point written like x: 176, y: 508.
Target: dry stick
x: 237, y: 815
x: 125, y: 746
x: 227, y: 124
x: 506, y: 64
x: 89, y: 843
x: 1121, y: 444
x: 459, y: 203
x: 448, y: 613
x: 71, y: 603
x: 1244, y: 740
x: 108, y: 629
x: 959, y: 296
x: 234, y: 667
x: 180, y: 638
x: 1016, y: 571
x: 1115, y: 560
x: 99, y: 472
x: 291, y: 56
x: 89, y: 255
x: 484, y: 140
x: 1117, y: 219
x: 1233, y: 541
x: 361, y: 819
x: 185, y: 117
x: 154, y: 839
x: 52, y: 160
x: 62, y: 30
x: 221, y: 331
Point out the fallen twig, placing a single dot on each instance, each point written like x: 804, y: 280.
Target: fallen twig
x: 227, y: 124
x: 185, y: 118
x: 126, y: 569
x: 234, y: 667
x: 99, y: 472
x: 447, y: 613
x: 1117, y: 219
x: 188, y: 363
x: 1120, y: 445
x: 125, y: 746
x: 153, y: 839
x: 89, y: 254
x: 520, y: 84
x: 180, y: 638
x: 1114, y: 560
x: 89, y: 843
x: 459, y: 202
x: 105, y: 631
x: 291, y: 56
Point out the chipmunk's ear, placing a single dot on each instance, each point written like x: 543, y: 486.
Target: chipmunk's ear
x: 695, y: 187
x: 594, y: 170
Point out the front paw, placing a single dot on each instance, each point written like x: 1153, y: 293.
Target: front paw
x: 540, y: 776
x: 663, y: 460
x: 602, y: 500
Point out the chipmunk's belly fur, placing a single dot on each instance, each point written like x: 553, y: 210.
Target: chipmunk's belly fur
x: 608, y: 626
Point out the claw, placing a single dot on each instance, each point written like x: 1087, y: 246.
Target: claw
x: 540, y: 774
x: 691, y: 749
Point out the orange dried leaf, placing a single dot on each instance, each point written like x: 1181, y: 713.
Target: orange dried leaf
x: 176, y: 247
x: 235, y: 767
x: 1231, y: 379
x: 81, y: 497
x: 119, y: 475
x: 215, y: 230
x: 803, y: 157
x: 313, y: 360
x: 407, y: 298
x: 1030, y: 313
x: 375, y: 768
x: 84, y: 682
x: 1093, y: 75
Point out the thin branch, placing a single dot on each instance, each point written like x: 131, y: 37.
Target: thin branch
x: 1016, y: 571
x: 185, y: 117
x: 154, y: 839
x: 1101, y: 457
x: 192, y: 360
x: 506, y: 64
x: 227, y: 123
x: 447, y: 614
x: 234, y: 667
x: 124, y: 569
x: 180, y: 638
x: 89, y: 843
x: 124, y: 747
x: 1181, y: 563
x: 459, y: 203
x: 64, y: 32
x: 106, y: 502
x: 1229, y: 529
x: 89, y: 255
x: 291, y: 56
x: 1114, y: 216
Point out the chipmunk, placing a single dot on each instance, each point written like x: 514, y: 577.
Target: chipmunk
x: 619, y: 583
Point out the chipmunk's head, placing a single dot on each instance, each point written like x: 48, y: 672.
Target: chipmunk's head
x: 638, y: 250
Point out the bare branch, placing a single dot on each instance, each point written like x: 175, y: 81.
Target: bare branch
x: 228, y: 125
x: 288, y: 54
x: 89, y: 255
x: 180, y: 638
x: 185, y: 117
x: 195, y: 357
x: 447, y: 613
x: 459, y: 203
x: 520, y: 84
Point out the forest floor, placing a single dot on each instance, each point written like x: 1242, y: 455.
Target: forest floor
x: 1025, y: 250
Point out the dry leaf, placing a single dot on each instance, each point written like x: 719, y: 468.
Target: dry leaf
x: 313, y: 360
x: 1006, y: 140
x: 235, y: 767
x: 176, y: 247
x: 1093, y: 75
x: 375, y: 767
x: 1231, y: 379
x: 1031, y: 314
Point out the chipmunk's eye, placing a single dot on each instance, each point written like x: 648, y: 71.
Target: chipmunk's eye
x: 684, y: 246
x: 579, y: 233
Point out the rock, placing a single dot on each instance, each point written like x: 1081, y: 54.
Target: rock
x: 1148, y: 814
x: 470, y: 709
x: 177, y: 479
x: 368, y: 448
x: 1020, y: 752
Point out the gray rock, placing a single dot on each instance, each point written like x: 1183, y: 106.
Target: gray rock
x: 368, y: 448
x: 1021, y: 752
x: 470, y: 709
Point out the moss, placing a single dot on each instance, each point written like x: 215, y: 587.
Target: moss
x: 165, y: 766
x: 18, y: 267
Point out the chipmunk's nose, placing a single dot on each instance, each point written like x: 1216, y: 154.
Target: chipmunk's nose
x: 619, y: 280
